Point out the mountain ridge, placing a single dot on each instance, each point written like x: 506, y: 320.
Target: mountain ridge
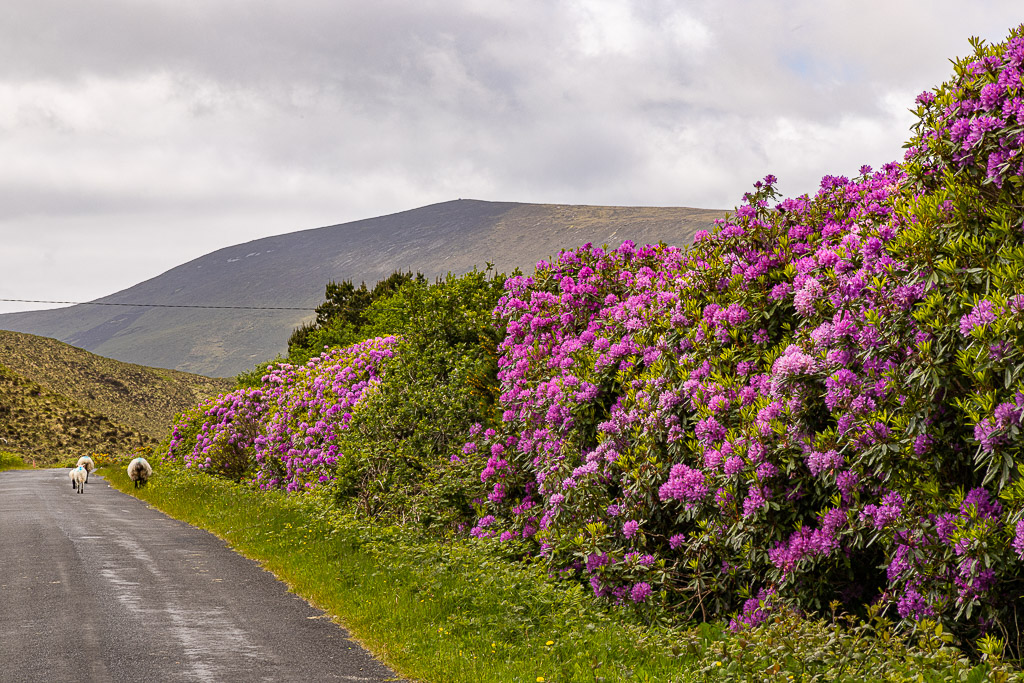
x: 292, y: 270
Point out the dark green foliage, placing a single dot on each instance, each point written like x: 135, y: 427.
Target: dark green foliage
x: 400, y: 453
x: 442, y: 380
x: 342, y: 315
x: 254, y: 378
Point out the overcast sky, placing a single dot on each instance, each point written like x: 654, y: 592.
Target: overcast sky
x: 136, y: 135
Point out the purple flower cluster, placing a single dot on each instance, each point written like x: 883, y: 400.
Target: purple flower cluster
x: 754, y: 612
x: 980, y: 316
x: 289, y: 429
x: 992, y: 432
x: 790, y: 383
x: 684, y: 483
x: 975, y: 122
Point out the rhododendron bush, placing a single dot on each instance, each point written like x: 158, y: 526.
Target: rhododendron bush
x: 378, y: 421
x: 287, y: 432
x: 821, y: 400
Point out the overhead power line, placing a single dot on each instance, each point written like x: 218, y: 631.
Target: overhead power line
x: 108, y: 303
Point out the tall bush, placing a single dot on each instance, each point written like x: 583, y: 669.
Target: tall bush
x: 341, y: 317
x: 382, y: 421
x: 408, y: 431
x: 286, y: 433
x: 820, y: 401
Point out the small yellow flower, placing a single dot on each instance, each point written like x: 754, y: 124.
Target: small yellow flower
x: 540, y: 679
x: 550, y: 642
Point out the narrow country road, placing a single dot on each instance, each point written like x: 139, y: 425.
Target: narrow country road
x: 102, y: 587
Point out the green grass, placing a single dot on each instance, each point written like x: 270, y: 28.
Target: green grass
x: 432, y: 611
x: 456, y: 611
x: 10, y: 461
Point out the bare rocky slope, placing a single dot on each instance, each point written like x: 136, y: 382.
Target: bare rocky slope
x: 58, y: 402
x: 291, y: 270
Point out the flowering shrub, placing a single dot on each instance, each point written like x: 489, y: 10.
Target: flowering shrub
x: 405, y: 456
x: 285, y: 433
x: 821, y: 399
x: 395, y: 450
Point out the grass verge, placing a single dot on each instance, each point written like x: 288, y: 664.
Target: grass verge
x: 457, y: 611
x: 10, y: 461
x: 432, y: 611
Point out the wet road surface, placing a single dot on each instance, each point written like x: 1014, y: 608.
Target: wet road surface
x: 102, y: 587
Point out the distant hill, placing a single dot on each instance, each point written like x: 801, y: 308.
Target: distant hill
x: 293, y: 269
x: 59, y: 402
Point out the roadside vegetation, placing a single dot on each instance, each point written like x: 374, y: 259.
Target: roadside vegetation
x: 464, y: 610
x: 12, y: 461
x: 792, y: 451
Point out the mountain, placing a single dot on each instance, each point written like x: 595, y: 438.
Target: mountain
x: 58, y: 402
x: 292, y: 270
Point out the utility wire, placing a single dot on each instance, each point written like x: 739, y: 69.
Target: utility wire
x: 108, y: 303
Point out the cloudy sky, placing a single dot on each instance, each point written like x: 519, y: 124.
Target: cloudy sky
x: 136, y: 135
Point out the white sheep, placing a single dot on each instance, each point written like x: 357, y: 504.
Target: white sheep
x: 139, y: 471
x: 79, y: 476
x: 86, y: 462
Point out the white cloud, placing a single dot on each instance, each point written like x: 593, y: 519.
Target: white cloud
x: 608, y: 27
x: 161, y: 130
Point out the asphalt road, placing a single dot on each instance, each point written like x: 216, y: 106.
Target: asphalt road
x: 101, y: 587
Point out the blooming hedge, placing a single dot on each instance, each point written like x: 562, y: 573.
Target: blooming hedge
x: 821, y: 400
x: 285, y: 433
x: 383, y: 441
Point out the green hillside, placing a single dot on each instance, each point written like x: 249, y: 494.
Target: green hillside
x: 59, y: 402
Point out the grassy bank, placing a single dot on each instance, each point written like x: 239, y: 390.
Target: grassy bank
x: 10, y: 461
x: 434, y: 612
x: 449, y: 612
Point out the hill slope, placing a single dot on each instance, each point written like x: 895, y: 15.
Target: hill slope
x: 59, y: 402
x: 293, y: 269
